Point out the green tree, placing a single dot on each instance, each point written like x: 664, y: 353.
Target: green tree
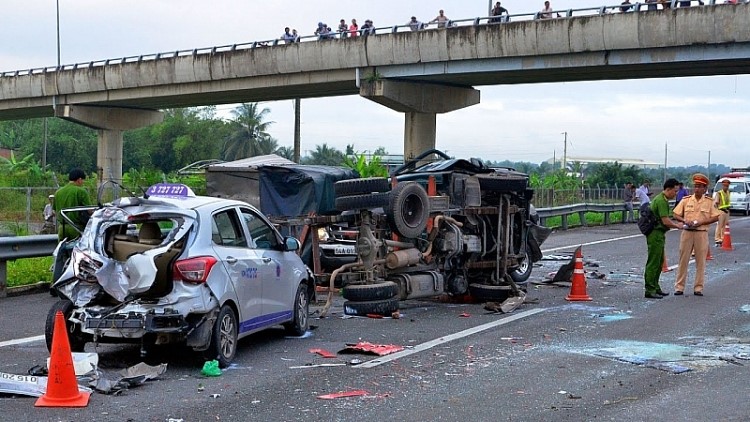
x: 249, y: 136
x: 326, y: 156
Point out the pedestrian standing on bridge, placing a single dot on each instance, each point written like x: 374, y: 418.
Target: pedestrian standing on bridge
x: 722, y: 203
x: 546, y: 12
x: 287, y: 36
x: 368, y: 28
x: 414, y: 24
x: 652, y: 4
x: 497, y: 13
x: 441, y: 19
x: 354, y: 29
x: 625, y: 6
x: 656, y: 240
x: 343, y: 28
x: 696, y: 212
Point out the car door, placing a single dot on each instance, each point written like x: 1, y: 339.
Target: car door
x: 277, y: 276
x: 231, y: 245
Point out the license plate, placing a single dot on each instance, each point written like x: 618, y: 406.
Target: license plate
x: 345, y: 250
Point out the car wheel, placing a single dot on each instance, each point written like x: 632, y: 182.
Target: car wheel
x: 488, y: 293
x: 301, y: 322
x: 356, y: 202
x: 523, y: 272
x: 76, y: 339
x: 384, y: 307
x: 224, y: 338
x: 408, y: 209
x: 366, y: 292
x: 361, y: 186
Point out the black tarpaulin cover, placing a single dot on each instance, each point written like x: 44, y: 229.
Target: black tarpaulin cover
x: 298, y: 190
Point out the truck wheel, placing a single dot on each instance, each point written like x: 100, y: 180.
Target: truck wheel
x: 223, y: 345
x: 487, y: 293
x: 365, y: 292
x: 408, y: 209
x: 76, y: 339
x: 299, y: 325
x: 523, y: 272
x: 361, y: 186
x: 384, y: 307
x: 356, y: 202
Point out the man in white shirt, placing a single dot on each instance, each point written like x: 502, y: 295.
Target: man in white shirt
x: 642, y: 193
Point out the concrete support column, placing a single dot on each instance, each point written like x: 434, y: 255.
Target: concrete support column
x: 419, y: 133
x: 110, y: 123
x: 109, y: 155
x: 421, y: 102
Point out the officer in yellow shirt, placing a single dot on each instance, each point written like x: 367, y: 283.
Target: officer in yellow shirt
x: 721, y: 200
x: 696, y: 212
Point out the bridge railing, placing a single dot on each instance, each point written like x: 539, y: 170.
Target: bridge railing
x: 484, y: 20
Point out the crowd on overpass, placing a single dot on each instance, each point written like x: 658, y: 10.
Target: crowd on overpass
x: 498, y: 14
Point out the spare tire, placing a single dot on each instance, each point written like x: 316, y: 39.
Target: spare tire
x: 375, y: 291
x: 385, y: 307
x: 361, y: 186
x: 356, y: 202
x: 488, y: 293
x: 408, y: 209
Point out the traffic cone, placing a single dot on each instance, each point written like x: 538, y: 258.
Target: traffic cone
x: 62, y: 386
x: 578, y: 288
x: 664, y: 267
x: 726, y: 243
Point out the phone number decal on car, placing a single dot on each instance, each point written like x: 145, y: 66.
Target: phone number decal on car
x: 168, y: 189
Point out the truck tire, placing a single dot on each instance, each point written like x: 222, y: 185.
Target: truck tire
x: 408, y: 209
x: 486, y: 293
x: 361, y: 186
x: 76, y: 339
x: 367, y: 292
x: 523, y: 272
x: 385, y: 307
x: 357, y: 202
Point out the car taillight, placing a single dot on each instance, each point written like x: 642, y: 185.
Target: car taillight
x: 194, y: 270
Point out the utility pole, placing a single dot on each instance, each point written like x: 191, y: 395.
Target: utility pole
x: 297, y: 103
x: 708, y: 169
x: 665, y: 162
x: 565, y: 153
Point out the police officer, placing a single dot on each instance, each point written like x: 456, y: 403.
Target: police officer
x: 721, y: 200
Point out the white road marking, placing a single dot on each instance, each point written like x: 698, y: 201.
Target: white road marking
x: 615, y: 239
x: 21, y: 341
x: 432, y: 343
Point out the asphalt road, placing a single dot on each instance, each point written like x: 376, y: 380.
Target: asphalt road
x: 618, y: 357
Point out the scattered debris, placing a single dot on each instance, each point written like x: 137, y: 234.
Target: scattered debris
x: 464, y: 315
x: 215, y: 396
x: 509, y: 305
x: 596, y: 275
x: 324, y: 353
x: 319, y: 365
x: 129, y: 378
x: 745, y: 308
x: 377, y: 349
x: 26, y: 385
x: 211, y: 369
x: 375, y: 316
x: 342, y: 394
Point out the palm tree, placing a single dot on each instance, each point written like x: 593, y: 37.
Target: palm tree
x: 249, y: 133
x: 326, y: 156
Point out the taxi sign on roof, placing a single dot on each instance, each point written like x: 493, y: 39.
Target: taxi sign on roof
x: 169, y: 189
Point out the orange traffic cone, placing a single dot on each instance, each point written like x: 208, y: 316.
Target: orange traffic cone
x: 62, y: 386
x: 578, y: 288
x: 726, y: 243
x: 664, y: 267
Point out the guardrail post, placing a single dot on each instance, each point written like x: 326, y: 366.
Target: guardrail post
x: 582, y: 217
x: 606, y: 218
x: 3, y: 277
x: 564, y: 221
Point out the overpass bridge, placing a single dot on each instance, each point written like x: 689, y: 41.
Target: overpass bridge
x: 420, y: 73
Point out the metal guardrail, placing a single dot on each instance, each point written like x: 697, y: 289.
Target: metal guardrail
x: 12, y: 248
x: 581, y: 210
x: 483, y: 20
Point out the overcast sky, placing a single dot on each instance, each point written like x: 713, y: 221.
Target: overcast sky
x: 616, y: 119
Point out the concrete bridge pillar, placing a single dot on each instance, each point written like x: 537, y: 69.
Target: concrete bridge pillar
x: 421, y: 102
x: 109, y: 122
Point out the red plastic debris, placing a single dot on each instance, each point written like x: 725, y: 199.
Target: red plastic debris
x: 323, y: 352
x: 377, y: 349
x: 375, y: 316
x: 342, y: 394
x: 464, y: 315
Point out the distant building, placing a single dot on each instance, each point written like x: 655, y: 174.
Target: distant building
x: 625, y: 162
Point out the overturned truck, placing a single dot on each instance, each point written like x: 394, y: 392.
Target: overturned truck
x: 450, y: 226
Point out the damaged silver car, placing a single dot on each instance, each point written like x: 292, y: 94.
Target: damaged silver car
x: 171, y: 267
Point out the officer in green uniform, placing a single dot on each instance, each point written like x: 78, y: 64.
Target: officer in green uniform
x: 70, y: 196
x: 657, y: 239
